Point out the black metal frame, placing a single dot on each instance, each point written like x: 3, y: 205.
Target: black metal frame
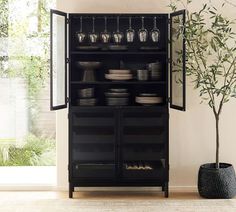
x: 56, y: 12
x: 183, y: 108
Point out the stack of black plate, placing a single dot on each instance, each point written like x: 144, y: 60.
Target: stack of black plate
x: 155, y: 70
x: 117, y: 97
x: 86, y: 97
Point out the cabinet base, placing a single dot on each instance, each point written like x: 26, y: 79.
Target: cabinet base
x: 165, y: 189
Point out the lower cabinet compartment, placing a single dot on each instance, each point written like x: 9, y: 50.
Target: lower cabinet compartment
x: 94, y: 170
x: 129, y: 149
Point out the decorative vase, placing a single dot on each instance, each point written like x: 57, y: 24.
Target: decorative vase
x: 217, y: 183
x: 88, y: 70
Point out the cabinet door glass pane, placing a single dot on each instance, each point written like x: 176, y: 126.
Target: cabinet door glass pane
x: 177, y: 75
x: 58, y: 60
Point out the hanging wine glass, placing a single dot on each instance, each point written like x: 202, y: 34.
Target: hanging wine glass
x: 155, y: 32
x: 105, y: 35
x: 130, y: 32
x: 118, y: 36
x: 80, y: 35
x: 93, y: 37
x: 143, y: 33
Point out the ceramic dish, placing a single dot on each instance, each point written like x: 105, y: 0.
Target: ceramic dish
x: 110, y: 94
x: 147, y: 94
x: 118, y: 90
x: 119, y: 71
x: 119, y: 76
x: 87, y: 102
x: 86, y: 93
x: 148, y: 100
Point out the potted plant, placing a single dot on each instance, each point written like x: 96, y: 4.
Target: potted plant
x: 211, y: 63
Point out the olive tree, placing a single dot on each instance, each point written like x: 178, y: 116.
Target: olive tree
x: 210, y: 57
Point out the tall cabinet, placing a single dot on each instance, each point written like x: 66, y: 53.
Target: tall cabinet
x: 118, y: 74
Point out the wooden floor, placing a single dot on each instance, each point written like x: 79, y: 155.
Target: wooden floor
x: 111, y: 201
x: 96, y: 195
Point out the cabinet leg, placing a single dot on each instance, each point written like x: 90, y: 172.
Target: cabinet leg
x: 166, y: 186
x: 71, y: 190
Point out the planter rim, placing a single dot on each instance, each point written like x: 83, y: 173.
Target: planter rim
x: 206, y: 166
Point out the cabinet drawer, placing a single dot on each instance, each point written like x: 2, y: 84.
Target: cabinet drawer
x: 93, y: 156
x: 145, y: 139
x: 142, y: 121
x: 146, y: 118
x: 92, y: 121
x: 93, y: 138
x: 148, y: 156
x: 94, y: 170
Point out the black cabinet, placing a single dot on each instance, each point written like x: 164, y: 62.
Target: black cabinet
x: 118, y: 94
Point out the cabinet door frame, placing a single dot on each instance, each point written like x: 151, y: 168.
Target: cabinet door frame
x: 64, y: 104
x: 172, y: 104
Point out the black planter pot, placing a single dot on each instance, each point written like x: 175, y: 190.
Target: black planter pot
x: 217, y: 183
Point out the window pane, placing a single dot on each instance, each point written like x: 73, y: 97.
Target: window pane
x: 58, y: 60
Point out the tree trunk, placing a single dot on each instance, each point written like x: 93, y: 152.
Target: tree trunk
x: 217, y: 141
x: 40, y: 4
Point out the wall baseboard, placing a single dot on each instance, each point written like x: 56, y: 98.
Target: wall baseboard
x: 183, y: 189
x: 27, y: 187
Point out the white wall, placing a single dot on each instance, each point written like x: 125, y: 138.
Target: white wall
x: 191, y: 133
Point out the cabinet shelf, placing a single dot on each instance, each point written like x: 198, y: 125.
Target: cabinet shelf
x: 118, y: 52
x: 162, y: 108
x: 119, y: 83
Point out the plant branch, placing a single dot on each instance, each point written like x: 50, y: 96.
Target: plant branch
x: 229, y: 2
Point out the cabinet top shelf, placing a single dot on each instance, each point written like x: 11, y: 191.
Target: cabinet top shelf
x: 119, y: 82
x: 118, y: 52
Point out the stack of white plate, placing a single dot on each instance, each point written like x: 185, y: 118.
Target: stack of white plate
x: 119, y: 74
x: 148, y: 99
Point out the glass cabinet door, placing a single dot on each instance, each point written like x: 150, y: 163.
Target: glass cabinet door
x: 177, y: 61
x: 58, y: 65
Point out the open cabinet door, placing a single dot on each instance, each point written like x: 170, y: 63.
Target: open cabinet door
x: 177, y: 61
x: 58, y: 65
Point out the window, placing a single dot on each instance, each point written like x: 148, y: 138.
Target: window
x: 27, y: 127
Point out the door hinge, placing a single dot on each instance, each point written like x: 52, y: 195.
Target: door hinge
x: 67, y: 60
x: 67, y: 20
x: 67, y: 99
x: 168, y: 60
x: 168, y: 99
x: 168, y: 20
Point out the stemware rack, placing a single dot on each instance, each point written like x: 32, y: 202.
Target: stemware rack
x: 114, y: 24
